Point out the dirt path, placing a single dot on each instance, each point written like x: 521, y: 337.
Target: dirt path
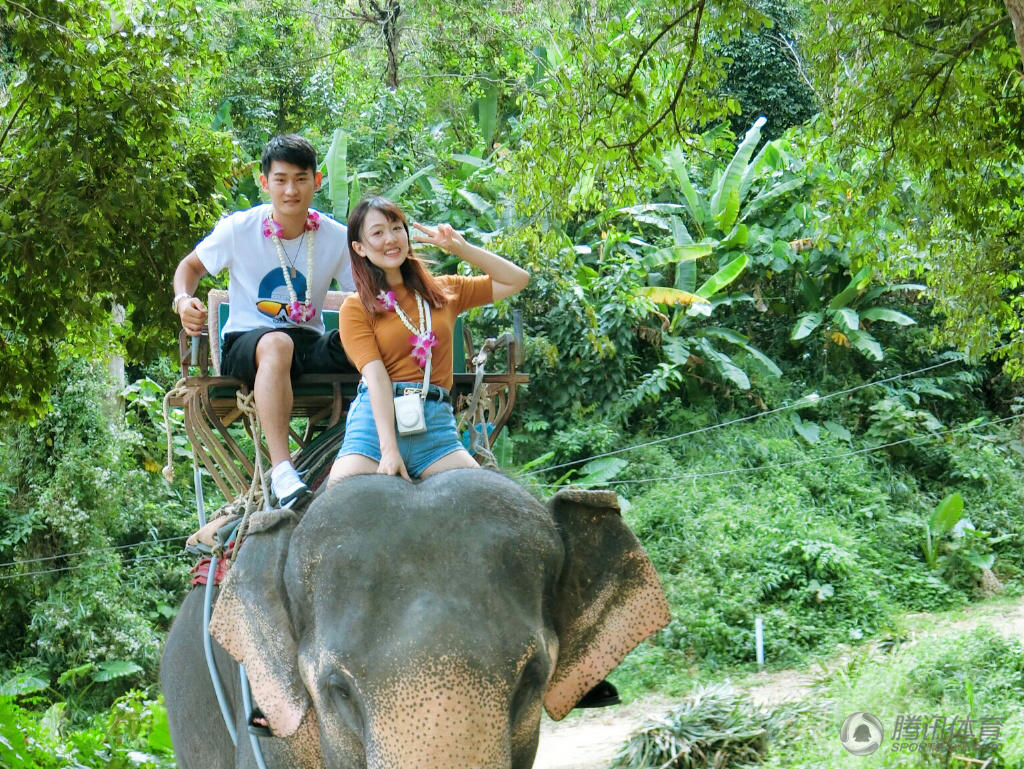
x: 590, y: 739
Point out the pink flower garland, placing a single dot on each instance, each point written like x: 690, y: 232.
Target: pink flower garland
x: 299, y: 312
x: 421, y: 342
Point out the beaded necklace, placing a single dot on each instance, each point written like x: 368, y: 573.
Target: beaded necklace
x: 298, y: 312
x: 421, y: 339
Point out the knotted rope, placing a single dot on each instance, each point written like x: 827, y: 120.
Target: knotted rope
x: 477, y: 409
x: 253, y: 499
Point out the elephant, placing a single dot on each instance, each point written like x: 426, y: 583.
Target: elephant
x: 395, y: 625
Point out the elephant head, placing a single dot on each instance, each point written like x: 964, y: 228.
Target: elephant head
x: 399, y: 625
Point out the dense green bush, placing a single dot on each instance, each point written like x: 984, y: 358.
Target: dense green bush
x: 90, y: 538
x: 974, y: 675
x: 825, y: 551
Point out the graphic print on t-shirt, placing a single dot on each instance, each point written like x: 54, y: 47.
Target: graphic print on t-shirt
x: 272, y: 296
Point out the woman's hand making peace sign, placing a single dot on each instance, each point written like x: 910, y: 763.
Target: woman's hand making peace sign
x: 444, y: 237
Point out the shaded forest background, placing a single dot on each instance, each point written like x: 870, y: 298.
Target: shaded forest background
x: 775, y: 301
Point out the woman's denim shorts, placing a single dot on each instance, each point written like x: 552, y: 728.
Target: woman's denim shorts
x: 418, y: 451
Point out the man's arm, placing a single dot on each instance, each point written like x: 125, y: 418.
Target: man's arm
x: 191, y: 310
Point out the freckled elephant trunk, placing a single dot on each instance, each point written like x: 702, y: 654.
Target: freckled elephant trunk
x: 445, y: 713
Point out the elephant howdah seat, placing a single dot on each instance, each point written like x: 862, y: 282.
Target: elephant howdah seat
x: 218, y: 409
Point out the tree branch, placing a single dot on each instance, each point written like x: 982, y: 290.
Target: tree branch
x: 671, y: 108
x: 14, y: 117
x: 623, y: 89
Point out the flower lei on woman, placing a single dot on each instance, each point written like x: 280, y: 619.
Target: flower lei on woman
x: 299, y: 312
x: 420, y: 340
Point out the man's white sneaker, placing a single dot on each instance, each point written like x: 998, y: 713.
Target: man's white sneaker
x: 286, y: 485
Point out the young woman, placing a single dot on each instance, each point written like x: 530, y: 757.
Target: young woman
x: 388, y: 336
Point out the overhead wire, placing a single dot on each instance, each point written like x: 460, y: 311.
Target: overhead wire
x: 811, y: 399
x: 91, y: 552
x: 805, y: 460
x: 76, y: 567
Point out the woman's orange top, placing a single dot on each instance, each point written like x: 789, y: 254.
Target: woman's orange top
x: 385, y: 338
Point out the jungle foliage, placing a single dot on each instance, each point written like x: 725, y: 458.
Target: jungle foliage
x: 748, y: 293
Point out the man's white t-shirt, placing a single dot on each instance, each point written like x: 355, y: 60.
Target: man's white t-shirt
x: 256, y: 283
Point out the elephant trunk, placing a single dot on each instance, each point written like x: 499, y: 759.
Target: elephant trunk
x: 442, y: 716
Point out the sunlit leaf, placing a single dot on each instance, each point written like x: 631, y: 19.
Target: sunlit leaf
x: 805, y: 324
x: 671, y: 296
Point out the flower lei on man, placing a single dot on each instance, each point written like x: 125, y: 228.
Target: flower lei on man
x: 299, y: 312
x: 420, y: 340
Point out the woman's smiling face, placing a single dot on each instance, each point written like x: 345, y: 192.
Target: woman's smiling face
x: 383, y: 241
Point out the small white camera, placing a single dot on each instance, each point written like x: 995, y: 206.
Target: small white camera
x: 409, y: 414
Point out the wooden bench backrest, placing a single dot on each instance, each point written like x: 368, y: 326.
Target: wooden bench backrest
x: 217, y: 305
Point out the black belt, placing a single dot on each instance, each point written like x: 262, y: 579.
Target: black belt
x: 434, y: 393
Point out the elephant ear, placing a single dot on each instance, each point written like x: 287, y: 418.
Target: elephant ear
x: 251, y: 621
x: 608, y: 600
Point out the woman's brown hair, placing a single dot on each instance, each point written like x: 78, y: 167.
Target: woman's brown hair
x: 370, y: 279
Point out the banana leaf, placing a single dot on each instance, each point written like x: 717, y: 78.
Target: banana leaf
x: 891, y: 316
x: 673, y: 254
x: 723, y: 277
x: 677, y: 163
x: 396, y: 191
x: 853, y: 288
x: 725, y: 203
x: 337, y: 174
x: 663, y: 295
x: 805, y: 324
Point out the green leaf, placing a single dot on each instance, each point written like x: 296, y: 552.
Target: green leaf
x: 838, y: 430
x: 771, y: 195
x: 809, y: 431
x: 23, y: 683
x: 738, y: 237
x: 854, y: 287
x: 477, y: 202
x: 674, y: 254
x: 848, y: 318
x: 486, y: 109
x: 396, y: 191
x: 723, y: 277
x: 543, y: 459
x: 805, y: 324
x: 741, y: 341
x: 677, y: 162
x: 947, y: 513
x: 663, y: 295
x: 471, y: 160
x: 725, y: 366
x: 112, y: 669
x: 891, y: 316
x: 336, y: 164
x: 867, y: 344
x: 599, y: 471
x: 725, y: 203
x: 75, y: 672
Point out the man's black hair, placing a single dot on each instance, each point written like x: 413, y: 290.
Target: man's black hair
x: 289, y: 148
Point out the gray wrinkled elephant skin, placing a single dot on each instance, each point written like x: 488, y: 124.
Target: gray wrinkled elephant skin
x: 415, y: 625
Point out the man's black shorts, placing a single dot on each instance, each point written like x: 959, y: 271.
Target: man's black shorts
x: 314, y: 353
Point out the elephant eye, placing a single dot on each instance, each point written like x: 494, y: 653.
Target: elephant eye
x: 338, y: 686
x: 531, y: 682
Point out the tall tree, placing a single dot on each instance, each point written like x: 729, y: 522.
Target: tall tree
x: 928, y: 101
x: 106, y: 181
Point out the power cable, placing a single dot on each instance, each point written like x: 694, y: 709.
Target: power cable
x: 89, y: 566
x: 807, y: 400
x: 806, y: 460
x: 91, y: 552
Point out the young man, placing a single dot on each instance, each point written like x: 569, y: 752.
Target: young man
x: 280, y: 259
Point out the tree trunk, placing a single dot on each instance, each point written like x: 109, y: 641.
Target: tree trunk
x: 391, y: 31
x: 1016, y: 9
